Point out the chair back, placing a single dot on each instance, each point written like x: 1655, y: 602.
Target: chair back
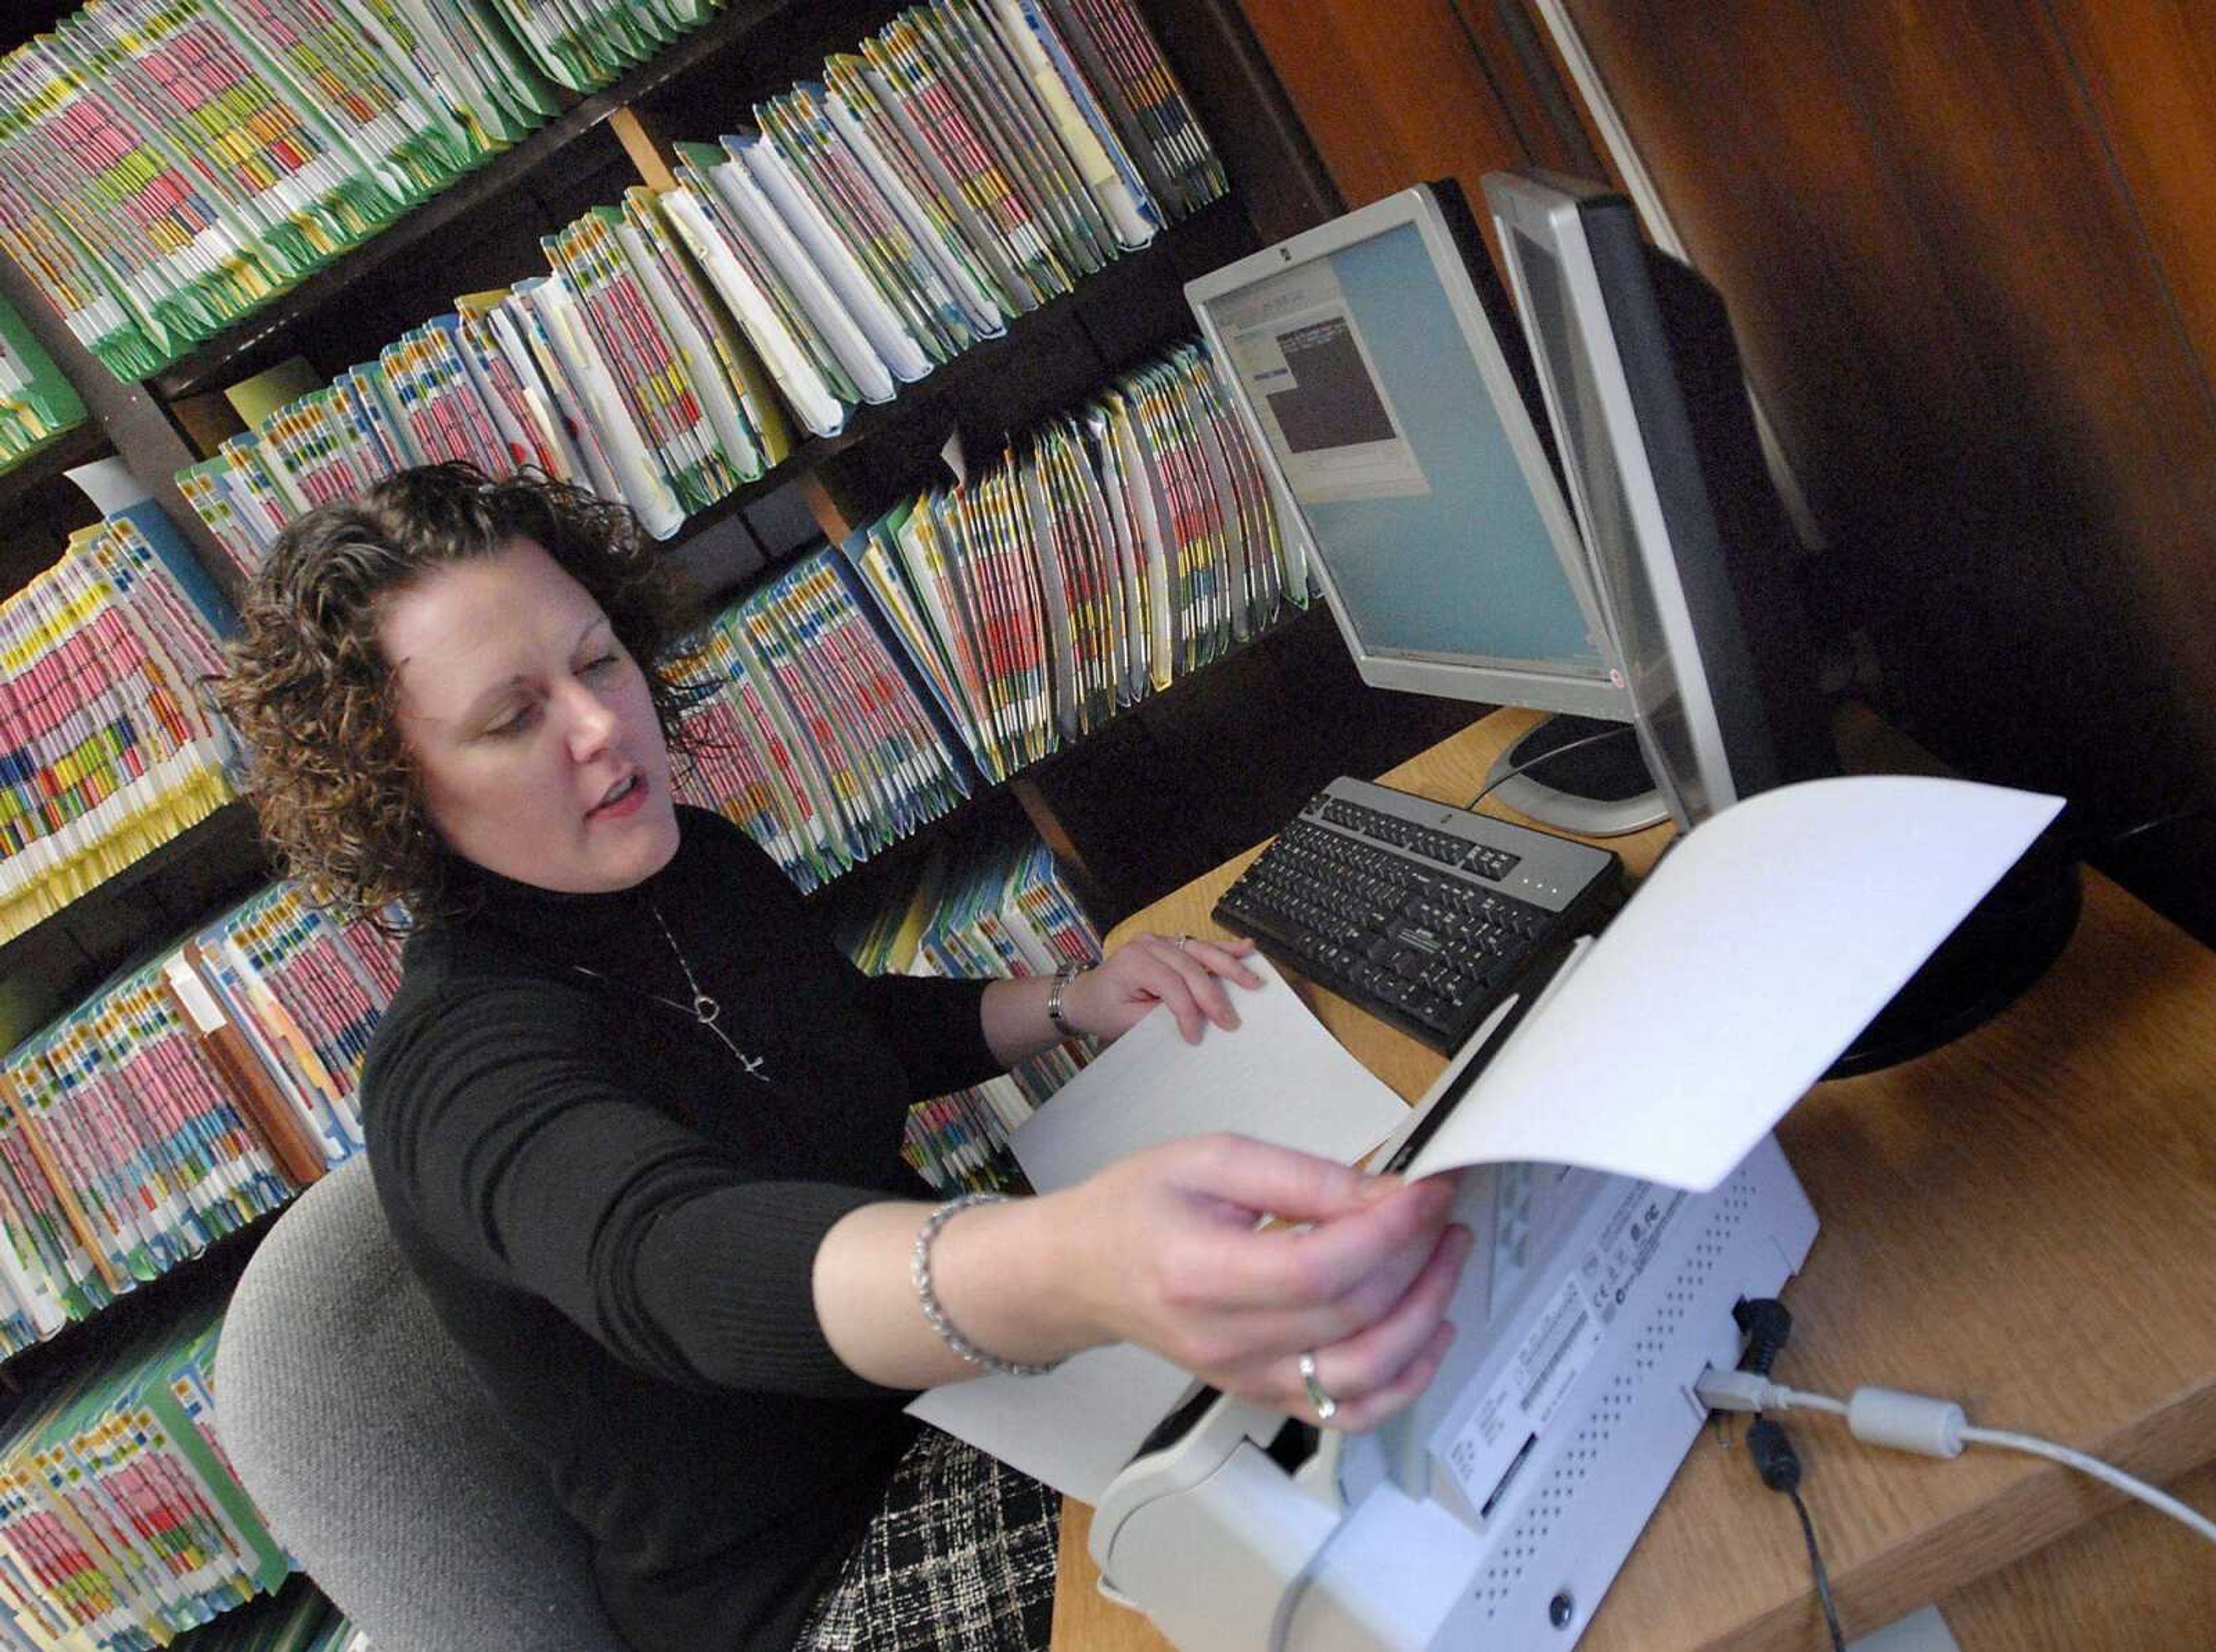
x: 378, y: 1461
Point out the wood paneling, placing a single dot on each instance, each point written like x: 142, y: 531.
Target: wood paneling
x: 1946, y: 231
x: 1966, y: 248
x: 1392, y: 93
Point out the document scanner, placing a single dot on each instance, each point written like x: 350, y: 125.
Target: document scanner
x: 1494, y: 1512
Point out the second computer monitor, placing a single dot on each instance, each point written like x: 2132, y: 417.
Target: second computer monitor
x: 1691, y: 553
x: 1363, y: 355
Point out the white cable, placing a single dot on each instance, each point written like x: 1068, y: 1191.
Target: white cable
x: 2099, y: 1470
x: 1928, y: 1427
x: 1745, y: 1391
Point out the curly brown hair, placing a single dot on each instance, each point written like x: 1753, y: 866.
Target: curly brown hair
x: 339, y: 798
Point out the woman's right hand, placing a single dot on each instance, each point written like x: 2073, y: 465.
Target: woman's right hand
x: 1359, y: 1270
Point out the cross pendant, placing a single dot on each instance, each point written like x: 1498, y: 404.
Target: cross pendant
x: 704, y: 1010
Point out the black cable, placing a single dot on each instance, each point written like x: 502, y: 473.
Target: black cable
x: 2116, y: 841
x: 1767, y: 1327
x: 1823, y: 1578
x: 1533, y: 762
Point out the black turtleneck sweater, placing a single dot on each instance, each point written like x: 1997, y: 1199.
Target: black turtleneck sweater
x: 617, y: 1222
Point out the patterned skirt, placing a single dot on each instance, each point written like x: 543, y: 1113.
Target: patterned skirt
x: 960, y: 1558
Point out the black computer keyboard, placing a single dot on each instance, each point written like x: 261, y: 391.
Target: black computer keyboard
x: 1426, y: 915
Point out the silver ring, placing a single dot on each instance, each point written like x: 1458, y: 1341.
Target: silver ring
x: 1325, y: 1407
x: 1181, y: 940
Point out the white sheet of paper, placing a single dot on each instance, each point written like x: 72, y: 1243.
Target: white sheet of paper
x: 1281, y: 1078
x: 1757, y: 952
x: 1076, y: 1427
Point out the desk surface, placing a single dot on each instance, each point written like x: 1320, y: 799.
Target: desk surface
x: 2024, y: 1220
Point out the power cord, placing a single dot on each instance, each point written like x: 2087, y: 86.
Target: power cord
x: 2117, y: 840
x: 1932, y: 1428
x: 1767, y: 1327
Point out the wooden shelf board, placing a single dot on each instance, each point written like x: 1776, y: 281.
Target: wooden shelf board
x: 78, y: 445
x: 230, y: 829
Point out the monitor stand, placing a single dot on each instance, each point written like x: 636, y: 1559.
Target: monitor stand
x: 1600, y: 791
x: 1991, y: 960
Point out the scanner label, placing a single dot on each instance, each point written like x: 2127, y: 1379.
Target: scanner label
x: 1561, y: 1342
x: 1526, y: 1394
x: 1627, y: 1243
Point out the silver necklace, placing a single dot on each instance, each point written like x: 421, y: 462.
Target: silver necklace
x: 702, y: 1009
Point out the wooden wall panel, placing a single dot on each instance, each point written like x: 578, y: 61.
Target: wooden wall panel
x: 1975, y: 355
x: 2149, y: 69
x: 1967, y: 249
x: 1392, y: 93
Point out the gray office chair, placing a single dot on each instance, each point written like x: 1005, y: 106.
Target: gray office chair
x: 376, y: 1458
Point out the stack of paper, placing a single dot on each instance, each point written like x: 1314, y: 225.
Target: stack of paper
x: 305, y: 993
x: 472, y: 64
x: 999, y: 911
x: 585, y: 44
x: 616, y: 372
x: 129, y: 1154
x: 816, y: 353
x: 121, y: 1526
x: 172, y: 164
x: 192, y: 1093
x: 69, y: 277
x: 1138, y: 92
x: 108, y: 746
x: 297, y: 1619
x: 655, y: 408
x: 37, y: 401
x: 52, y: 1277
x: 225, y: 510
x: 809, y: 732
x: 959, y: 168
x: 1100, y: 557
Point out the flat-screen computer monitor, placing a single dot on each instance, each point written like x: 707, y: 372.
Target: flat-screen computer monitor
x: 1377, y: 362
x: 1692, y: 557
x: 1693, y: 564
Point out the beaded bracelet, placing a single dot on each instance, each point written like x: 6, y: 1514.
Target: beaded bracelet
x: 919, y: 1271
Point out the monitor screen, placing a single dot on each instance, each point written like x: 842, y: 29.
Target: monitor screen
x: 1690, y: 551
x: 1362, y: 355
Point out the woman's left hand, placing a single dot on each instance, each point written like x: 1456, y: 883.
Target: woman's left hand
x: 1184, y: 973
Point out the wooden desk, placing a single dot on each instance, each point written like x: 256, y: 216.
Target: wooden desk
x: 2024, y: 1220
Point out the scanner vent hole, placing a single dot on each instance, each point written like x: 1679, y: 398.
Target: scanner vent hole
x: 1554, y: 1499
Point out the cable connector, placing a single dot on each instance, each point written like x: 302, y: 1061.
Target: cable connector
x: 1908, y: 1422
x: 1774, y: 1460
x: 1767, y: 1326
x: 1736, y: 1391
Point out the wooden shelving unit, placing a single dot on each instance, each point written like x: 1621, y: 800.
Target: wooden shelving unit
x: 1048, y: 359
x: 80, y: 444
x: 1287, y: 696
x: 265, y: 337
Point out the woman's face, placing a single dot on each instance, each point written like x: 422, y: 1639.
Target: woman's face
x: 532, y: 730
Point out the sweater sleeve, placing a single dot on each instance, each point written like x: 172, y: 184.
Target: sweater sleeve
x: 525, y: 1160
x: 937, y: 1028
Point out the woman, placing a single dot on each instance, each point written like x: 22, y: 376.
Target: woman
x: 635, y: 1121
